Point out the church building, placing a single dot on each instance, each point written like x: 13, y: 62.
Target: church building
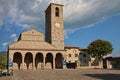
x: 33, y: 50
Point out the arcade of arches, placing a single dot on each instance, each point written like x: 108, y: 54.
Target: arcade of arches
x: 37, y: 60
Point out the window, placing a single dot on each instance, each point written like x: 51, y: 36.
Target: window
x: 84, y: 55
x: 80, y: 54
x: 57, y: 12
x: 76, y: 55
x: 76, y: 61
x: 69, y: 61
x: 69, y: 55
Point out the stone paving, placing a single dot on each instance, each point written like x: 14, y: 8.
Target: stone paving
x: 67, y: 74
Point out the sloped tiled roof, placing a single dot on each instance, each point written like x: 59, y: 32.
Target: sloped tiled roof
x: 69, y: 47
x: 32, y: 45
x: 74, y: 47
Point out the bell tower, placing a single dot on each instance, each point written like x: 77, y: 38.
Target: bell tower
x: 54, y: 25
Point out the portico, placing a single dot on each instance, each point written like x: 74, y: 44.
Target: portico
x: 37, y: 59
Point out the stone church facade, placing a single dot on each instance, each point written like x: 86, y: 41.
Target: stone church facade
x: 33, y: 50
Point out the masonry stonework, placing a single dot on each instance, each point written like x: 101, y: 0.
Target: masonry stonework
x: 33, y: 50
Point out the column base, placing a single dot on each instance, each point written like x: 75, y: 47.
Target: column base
x: 64, y: 67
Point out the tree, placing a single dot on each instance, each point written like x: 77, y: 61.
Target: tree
x: 3, y: 59
x: 2, y: 62
x: 99, y: 48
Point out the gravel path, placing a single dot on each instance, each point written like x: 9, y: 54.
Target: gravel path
x: 68, y: 74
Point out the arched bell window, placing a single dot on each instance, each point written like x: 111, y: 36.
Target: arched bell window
x: 57, y: 12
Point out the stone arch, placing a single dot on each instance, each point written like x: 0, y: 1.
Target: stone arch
x: 17, y: 60
x: 39, y: 60
x: 59, y: 61
x: 28, y: 60
x: 49, y: 60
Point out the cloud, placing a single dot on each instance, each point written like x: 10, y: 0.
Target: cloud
x: 10, y: 40
x: 13, y: 38
x: 12, y: 35
x: 5, y: 44
x: 89, y: 12
x: 77, y: 13
x: 36, y: 4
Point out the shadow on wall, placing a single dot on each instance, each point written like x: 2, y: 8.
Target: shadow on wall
x: 104, y: 76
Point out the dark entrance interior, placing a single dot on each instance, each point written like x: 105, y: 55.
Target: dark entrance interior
x: 58, y: 61
x: 49, y: 59
x: 17, y: 59
x: 29, y: 60
x: 71, y: 65
x: 104, y: 64
x: 38, y: 59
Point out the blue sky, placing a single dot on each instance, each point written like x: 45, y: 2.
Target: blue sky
x: 84, y: 20
x: 106, y: 30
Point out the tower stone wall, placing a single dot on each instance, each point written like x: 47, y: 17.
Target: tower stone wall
x: 55, y: 25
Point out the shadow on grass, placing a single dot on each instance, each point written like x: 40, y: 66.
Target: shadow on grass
x: 104, y: 76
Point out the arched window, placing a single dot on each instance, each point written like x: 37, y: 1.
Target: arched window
x: 57, y: 12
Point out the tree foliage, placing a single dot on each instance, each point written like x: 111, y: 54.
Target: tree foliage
x: 2, y: 63
x: 99, y: 48
x: 3, y: 60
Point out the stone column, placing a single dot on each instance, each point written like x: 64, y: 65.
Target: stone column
x: 33, y: 62
x: 23, y: 57
x: 53, y: 62
x: 44, y: 62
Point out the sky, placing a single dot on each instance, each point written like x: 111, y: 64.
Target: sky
x: 84, y: 21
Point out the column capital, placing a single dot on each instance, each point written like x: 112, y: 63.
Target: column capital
x: 23, y: 55
x: 44, y: 56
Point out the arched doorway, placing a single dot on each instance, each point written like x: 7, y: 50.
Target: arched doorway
x: 59, y: 61
x: 49, y: 61
x: 17, y: 60
x: 39, y: 60
x: 28, y: 60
